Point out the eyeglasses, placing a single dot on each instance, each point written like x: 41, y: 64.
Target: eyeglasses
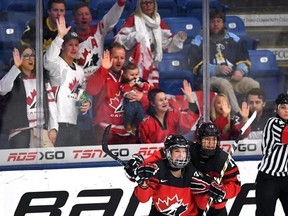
x: 29, y: 56
x: 146, y: 3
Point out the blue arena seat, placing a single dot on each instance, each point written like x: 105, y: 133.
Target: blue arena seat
x: 173, y: 69
x: 100, y: 8
x: 26, y: 16
x: 167, y: 8
x: 20, y: 5
x: 194, y: 7
x: 172, y: 81
x: 190, y: 25
x: 6, y: 56
x: 10, y: 34
x: 174, y: 61
x: 265, y: 70
x: 236, y: 25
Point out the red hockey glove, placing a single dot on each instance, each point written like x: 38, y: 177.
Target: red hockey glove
x: 217, y: 192
x: 200, y: 183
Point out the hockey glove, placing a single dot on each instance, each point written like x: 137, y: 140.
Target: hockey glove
x: 145, y: 171
x: 217, y: 192
x: 132, y: 165
x: 200, y: 183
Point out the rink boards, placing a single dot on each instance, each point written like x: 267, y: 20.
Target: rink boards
x: 85, y: 181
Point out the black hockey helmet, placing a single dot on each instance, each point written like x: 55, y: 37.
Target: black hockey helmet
x: 207, y: 129
x: 281, y: 99
x: 177, y: 141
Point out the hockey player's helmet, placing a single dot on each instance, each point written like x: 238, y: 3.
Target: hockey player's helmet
x: 281, y: 99
x: 173, y: 142
x: 208, y: 129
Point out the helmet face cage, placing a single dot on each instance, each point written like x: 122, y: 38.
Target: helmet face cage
x: 178, y: 163
x: 174, y: 142
x: 207, y: 129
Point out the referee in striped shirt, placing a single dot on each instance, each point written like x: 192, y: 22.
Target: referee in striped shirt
x: 272, y: 178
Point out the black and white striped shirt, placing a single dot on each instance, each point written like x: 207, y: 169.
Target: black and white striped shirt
x: 275, y: 148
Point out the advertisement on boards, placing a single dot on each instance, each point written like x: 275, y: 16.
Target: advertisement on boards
x: 96, y: 191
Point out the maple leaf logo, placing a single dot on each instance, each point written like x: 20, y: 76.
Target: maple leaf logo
x: 31, y: 99
x: 172, y: 206
x: 116, y: 103
x: 81, y: 61
x: 74, y: 85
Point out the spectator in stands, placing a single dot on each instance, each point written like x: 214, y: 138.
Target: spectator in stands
x: 93, y: 36
x: 161, y: 120
x: 104, y: 86
x: 56, y: 8
x: 229, y: 60
x: 20, y: 108
x: 146, y: 35
x: 133, y: 110
x: 229, y: 125
x: 272, y: 178
x: 67, y: 77
x: 257, y: 102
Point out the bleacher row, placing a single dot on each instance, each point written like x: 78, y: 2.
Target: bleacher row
x: 180, y: 15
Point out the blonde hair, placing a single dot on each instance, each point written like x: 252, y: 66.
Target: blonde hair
x: 139, y: 12
x: 214, y: 115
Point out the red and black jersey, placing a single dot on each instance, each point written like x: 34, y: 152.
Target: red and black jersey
x: 170, y: 195
x: 211, y: 166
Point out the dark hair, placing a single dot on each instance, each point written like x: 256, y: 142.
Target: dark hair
x: 22, y: 47
x: 256, y: 91
x: 50, y: 2
x: 131, y: 66
x: 116, y: 45
x: 217, y: 14
x: 78, y: 6
x: 151, y: 97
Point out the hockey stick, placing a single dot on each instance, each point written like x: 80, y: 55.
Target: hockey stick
x: 234, y: 147
x: 105, y: 146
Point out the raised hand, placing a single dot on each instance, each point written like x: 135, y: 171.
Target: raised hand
x: 61, y: 27
x: 226, y: 107
x: 17, y: 58
x: 244, y: 111
x: 187, y: 90
x: 106, y: 60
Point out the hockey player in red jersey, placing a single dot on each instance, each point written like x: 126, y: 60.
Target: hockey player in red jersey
x: 207, y: 156
x: 167, y: 181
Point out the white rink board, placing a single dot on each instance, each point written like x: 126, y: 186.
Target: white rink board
x: 13, y: 184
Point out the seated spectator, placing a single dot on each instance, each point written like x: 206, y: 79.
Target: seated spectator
x: 161, y: 120
x: 93, y: 35
x: 67, y: 77
x: 56, y: 8
x: 229, y: 61
x: 20, y: 108
x: 229, y: 125
x: 146, y: 35
x: 104, y: 86
x: 133, y: 110
x: 257, y: 102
